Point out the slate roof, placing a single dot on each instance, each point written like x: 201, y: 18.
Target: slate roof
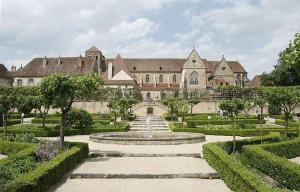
x: 256, y: 81
x: 3, y: 72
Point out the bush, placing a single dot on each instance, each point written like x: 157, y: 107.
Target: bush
x: 46, y: 150
x: 194, y: 123
x: 237, y: 176
x: 281, y: 169
x: 102, y: 122
x: 26, y: 138
x: 282, y: 122
x: 244, y: 125
x: 5, y: 176
x: 78, y: 118
x: 50, y: 120
x: 7, y: 147
x: 19, y: 165
x: 10, y: 122
x: 168, y: 117
x: 49, y: 172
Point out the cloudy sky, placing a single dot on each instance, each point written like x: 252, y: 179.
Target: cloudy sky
x: 251, y: 31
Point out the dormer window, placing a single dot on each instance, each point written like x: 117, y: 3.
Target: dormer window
x: 160, y: 68
x: 134, y: 68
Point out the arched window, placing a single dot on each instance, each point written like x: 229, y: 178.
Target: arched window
x: 147, y: 78
x: 194, y: 78
x: 19, y: 82
x: 148, y: 95
x: 174, y: 78
x: 161, y: 78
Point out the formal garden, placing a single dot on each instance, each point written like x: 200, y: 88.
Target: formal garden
x: 262, y: 161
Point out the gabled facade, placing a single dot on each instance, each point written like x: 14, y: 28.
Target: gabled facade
x: 150, y: 75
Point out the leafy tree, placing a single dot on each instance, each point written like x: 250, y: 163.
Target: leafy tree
x: 41, y: 104
x: 248, y: 107
x: 287, y: 71
x: 62, y: 90
x: 261, y: 102
x: 7, y: 101
x: 170, y: 103
x: 195, y: 98
x: 181, y: 106
x: 233, y: 108
x: 24, y: 100
x: 274, y: 109
x: 285, y: 97
x: 114, y: 108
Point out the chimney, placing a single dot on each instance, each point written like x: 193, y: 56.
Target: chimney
x: 80, y: 62
x: 110, y: 70
x: 59, y: 62
x: 13, y: 68
x: 44, y: 61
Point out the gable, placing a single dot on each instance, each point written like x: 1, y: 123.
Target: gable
x: 121, y: 75
x: 193, y: 61
x: 223, y: 69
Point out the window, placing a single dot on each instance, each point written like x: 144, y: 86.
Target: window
x: 147, y: 78
x: 174, y: 78
x: 134, y: 68
x: 161, y: 78
x: 160, y: 68
x: 30, y: 82
x: 223, y: 68
x: 19, y: 82
x: 194, y: 78
x: 148, y: 95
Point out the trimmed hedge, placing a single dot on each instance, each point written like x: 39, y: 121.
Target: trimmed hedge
x: 282, y: 123
x: 236, y: 176
x: 50, y: 172
x: 47, y: 120
x: 194, y: 123
x: 7, y: 147
x: 101, y: 122
x: 11, y: 122
x: 281, y: 169
x: 52, y: 132
x: 228, y: 131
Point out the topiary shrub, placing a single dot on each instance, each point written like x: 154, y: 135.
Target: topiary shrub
x: 78, y: 118
x: 46, y: 151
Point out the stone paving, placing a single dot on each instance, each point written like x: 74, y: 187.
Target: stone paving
x: 160, y: 168
x: 2, y: 156
x: 296, y: 160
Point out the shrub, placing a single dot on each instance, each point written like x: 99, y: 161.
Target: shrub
x: 49, y: 172
x: 282, y: 170
x: 236, y: 175
x: 168, y: 117
x: 46, y: 150
x: 26, y: 138
x: 19, y: 165
x: 194, y: 123
x: 281, y: 122
x: 7, y: 147
x: 5, y: 176
x: 78, y: 118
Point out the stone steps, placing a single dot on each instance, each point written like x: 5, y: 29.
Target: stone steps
x: 144, y: 176
x: 95, y: 153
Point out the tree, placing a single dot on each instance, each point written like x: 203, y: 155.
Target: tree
x: 285, y: 97
x: 41, y: 104
x: 261, y: 102
x: 6, y: 104
x: 195, y: 98
x: 233, y: 108
x: 287, y: 71
x: 114, y: 108
x: 248, y: 107
x: 170, y: 103
x: 24, y: 100
x: 62, y: 90
x: 181, y: 106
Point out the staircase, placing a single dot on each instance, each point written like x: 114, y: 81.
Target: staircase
x: 157, y: 126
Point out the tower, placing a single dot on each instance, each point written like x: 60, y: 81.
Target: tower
x: 98, y: 58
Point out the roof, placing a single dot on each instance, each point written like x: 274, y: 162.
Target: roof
x: 68, y: 65
x: 118, y: 82
x: 235, y: 66
x: 256, y: 81
x: 3, y: 72
x: 93, y: 49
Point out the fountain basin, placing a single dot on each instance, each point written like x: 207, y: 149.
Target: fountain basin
x: 129, y: 138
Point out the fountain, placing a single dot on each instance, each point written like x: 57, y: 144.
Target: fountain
x: 148, y: 131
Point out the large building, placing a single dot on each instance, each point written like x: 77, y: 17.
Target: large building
x: 150, y: 75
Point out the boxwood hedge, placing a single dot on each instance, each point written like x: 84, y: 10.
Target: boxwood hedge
x: 265, y: 158
x: 194, y: 123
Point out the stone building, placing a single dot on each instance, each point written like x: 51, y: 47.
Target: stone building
x: 4, y: 76
x: 150, y: 75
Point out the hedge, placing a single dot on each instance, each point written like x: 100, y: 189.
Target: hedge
x: 236, y: 176
x: 7, y: 147
x: 228, y: 131
x: 281, y: 169
x: 194, y: 123
x: 57, y: 121
x: 11, y: 122
x: 289, y: 149
x: 50, y: 172
x: 39, y: 132
x: 282, y: 123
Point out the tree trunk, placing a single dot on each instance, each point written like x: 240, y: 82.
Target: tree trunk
x: 260, y: 121
x: 233, y: 133
x: 192, y: 108
x: 5, y: 123
x: 182, y: 120
x: 62, y: 128
x: 286, y: 123
x: 43, y: 120
x: 115, y: 120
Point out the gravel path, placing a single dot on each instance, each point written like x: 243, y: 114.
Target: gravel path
x: 296, y: 160
x: 2, y: 156
x: 145, y: 165
x: 141, y: 185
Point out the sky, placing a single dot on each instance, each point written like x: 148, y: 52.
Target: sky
x: 250, y: 31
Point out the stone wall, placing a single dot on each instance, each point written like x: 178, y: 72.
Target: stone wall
x: 4, y: 81
x: 26, y: 81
